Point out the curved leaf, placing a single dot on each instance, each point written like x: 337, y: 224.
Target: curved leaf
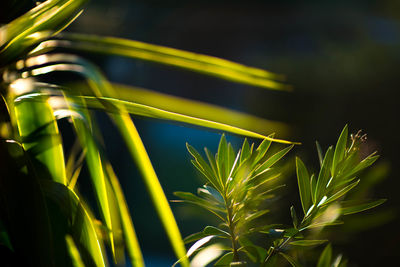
x: 303, y: 181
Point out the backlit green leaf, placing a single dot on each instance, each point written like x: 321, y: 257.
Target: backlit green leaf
x: 74, y: 252
x: 272, y: 160
x: 225, y: 260
x: 341, y: 192
x: 222, y: 160
x: 131, y: 240
x: 290, y: 259
x: 326, y: 257
x: 320, y: 153
x: 211, y: 230
x: 194, y: 237
x: 263, y: 148
x: 245, y: 153
x: 195, y: 62
x: 339, y: 149
x: 308, y: 243
x: 324, y: 175
x: 361, y: 207
x: 303, y: 181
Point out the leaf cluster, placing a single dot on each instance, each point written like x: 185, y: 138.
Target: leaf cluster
x: 34, y: 100
x: 237, y: 185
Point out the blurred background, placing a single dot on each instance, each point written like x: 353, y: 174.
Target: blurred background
x: 342, y: 59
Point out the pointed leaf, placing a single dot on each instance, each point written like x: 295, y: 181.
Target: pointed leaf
x: 320, y: 153
x: 199, y: 244
x: 324, y: 175
x: 204, y: 167
x: 222, y: 160
x: 225, y: 260
x: 368, y: 161
x: 197, y: 109
x: 313, y: 188
x: 147, y: 111
x: 294, y: 217
x: 308, y: 243
x: 321, y: 224
x: 303, y: 181
x: 195, y: 62
x: 245, y: 152
x: 326, y: 257
x: 340, y: 149
x: 189, y: 197
x: 263, y: 148
x: 131, y: 240
x: 273, y: 159
x: 194, y: 237
x: 361, y: 207
x: 290, y: 259
x: 255, y: 215
x: 74, y: 252
x: 341, y: 192
x: 211, y: 230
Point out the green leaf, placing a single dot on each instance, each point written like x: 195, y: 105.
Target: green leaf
x: 190, y: 61
x: 113, y: 105
x: 212, y: 162
x: 194, y: 237
x: 217, y: 196
x: 225, y: 260
x: 294, y: 217
x: 128, y: 131
x: 307, y: 243
x: 189, y: 197
x: 204, y: 167
x: 361, y: 207
x: 246, y: 152
x: 74, y: 252
x: 197, y: 109
x: 41, y: 131
x: 211, y: 230
x: 320, y: 153
x: 324, y: 175
x: 290, y: 259
x: 321, y: 224
x: 340, y: 149
x: 199, y: 244
x: 341, y: 192
x: 338, y: 260
x: 82, y: 222
x: 255, y: 215
x: 263, y: 148
x: 231, y: 160
x: 272, y: 160
x: 36, y: 25
x: 368, y: 161
x: 96, y: 169
x: 222, y: 160
x: 313, y: 188
x: 303, y: 181
x: 326, y: 257
x: 131, y: 240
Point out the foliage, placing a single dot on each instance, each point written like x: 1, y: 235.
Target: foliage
x: 45, y: 220
x: 239, y: 192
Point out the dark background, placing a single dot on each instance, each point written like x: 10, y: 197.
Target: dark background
x: 342, y: 58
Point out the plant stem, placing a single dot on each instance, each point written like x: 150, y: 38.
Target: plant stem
x: 233, y: 235
x: 231, y: 226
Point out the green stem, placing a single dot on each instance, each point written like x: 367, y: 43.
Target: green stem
x: 231, y: 226
x: 233, y: 235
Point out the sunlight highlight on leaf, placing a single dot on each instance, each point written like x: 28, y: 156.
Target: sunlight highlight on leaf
x: 187, y: 60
